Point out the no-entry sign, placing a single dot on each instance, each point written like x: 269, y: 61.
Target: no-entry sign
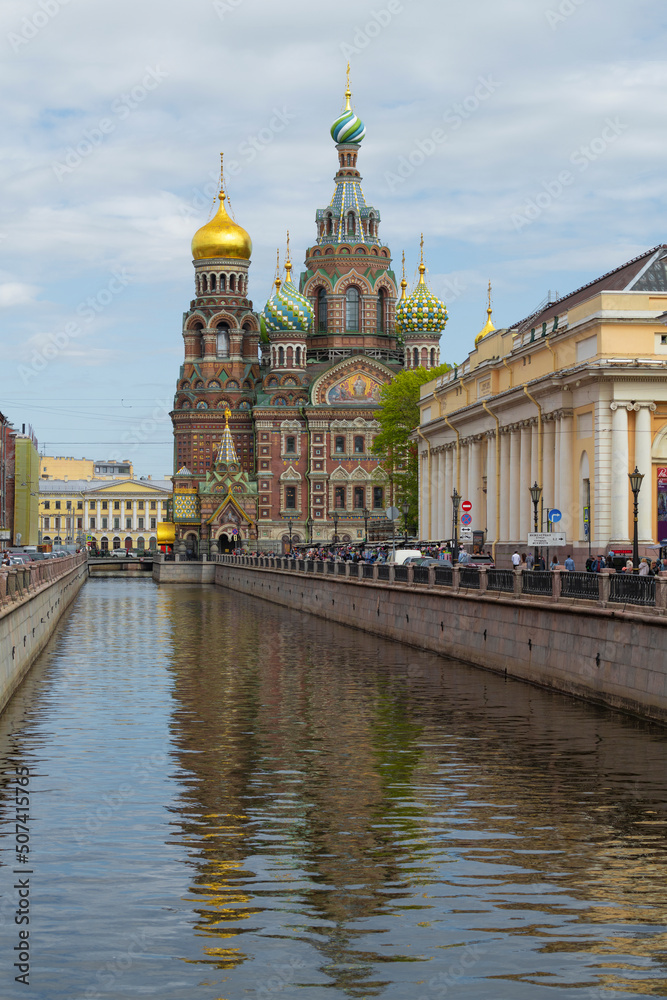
x: 466, y: 505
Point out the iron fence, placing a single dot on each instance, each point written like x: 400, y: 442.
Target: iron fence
x: 401, y: 574
x: 537, y: 582
x: 367, y: 571
x: 469, y: 577
x: 629, y: 589
x: 383, y: 572
x: 580, y: 585
x: 420, y: 574
x: 340, y: 568
x: 501, y: 580
x: 444, y: 576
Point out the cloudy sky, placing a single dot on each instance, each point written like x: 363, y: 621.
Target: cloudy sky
x: 525, y: 138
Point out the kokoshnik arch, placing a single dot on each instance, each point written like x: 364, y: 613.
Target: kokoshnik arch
x: 275, y: 412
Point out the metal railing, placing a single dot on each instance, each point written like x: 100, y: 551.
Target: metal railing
x: 629, y: 589
x: 420, y: 574
x: 500, y: 580
x: 584, y: 585
x: 444, y: 576
x: 617, y: 588
x: 537, y: 582
x: 469, y: 578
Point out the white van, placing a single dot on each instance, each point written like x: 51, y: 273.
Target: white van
x: 398, y: 558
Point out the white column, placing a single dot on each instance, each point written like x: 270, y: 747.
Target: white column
x: 436, y: 495
x: 465, y: 452
x: 475, y: 484
x: 525, y: 483
x: 491, y: 488
x: 450, y: 480
x: 534, y: 459
x: 619, y: 472
x: 505, y: 440
x: 442, y: 477
x: 556, y: 489
x: 569, y: 504
x: 548, y: 456
x: 644, y: 463
x: 515, y: 485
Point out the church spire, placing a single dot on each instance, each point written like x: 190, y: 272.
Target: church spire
x: 227, y: 449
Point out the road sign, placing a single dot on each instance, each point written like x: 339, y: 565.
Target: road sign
x: 466, y: 505
x: 546, y: 538
x: 465, y: 535
x: 466, y: 519
x: 393, y: 513
x: 554, y: 515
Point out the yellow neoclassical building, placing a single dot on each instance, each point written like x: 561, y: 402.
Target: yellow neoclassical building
x: 572, y: 398
x: 104, y: 514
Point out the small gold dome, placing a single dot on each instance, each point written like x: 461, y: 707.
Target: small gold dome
x: 221, y: 237
x: 488, y: 326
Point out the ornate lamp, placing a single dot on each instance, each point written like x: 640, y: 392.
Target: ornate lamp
x: 635, y: 478
x: 535, y: 495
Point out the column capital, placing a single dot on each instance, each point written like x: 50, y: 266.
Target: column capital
x: 643, y: 406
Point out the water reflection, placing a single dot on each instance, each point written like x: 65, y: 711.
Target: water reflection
x: 335, y: 816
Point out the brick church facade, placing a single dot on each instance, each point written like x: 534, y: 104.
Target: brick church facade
x: 275, y: 412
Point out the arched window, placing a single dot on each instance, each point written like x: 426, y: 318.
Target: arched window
x: 339, y: 496
x: 213, y: 282
x: 359, y: 499
x: 204, y: 283
x: 352, y: 308
x: 381, y: 311
x: 322, y: 311
x: 433, y: 357
x: 223, y: 282
x: 232, y: 282
x: 415, y: 358
x: 371, y: 225
x: 222, y: 348
x: 290, y: 356
x: 350, y: 223
x: 329, y: 225
x: 281, y: 355
x: 298, y: 356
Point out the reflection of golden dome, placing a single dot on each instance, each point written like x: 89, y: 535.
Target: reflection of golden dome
x: 221, y: 237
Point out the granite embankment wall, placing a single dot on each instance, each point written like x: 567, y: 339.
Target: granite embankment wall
x: 615, y: 656
x: 32, y: 601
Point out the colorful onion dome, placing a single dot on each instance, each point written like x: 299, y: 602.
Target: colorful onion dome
x: 488, y: 326
x: 287, y: 311
x: 348, y: 127
x: 221, y: 237
x: 421, y: 312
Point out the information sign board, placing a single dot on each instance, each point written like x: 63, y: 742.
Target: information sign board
x: 546, y: 538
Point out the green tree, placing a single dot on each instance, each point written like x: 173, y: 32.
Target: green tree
x: 398, y: 417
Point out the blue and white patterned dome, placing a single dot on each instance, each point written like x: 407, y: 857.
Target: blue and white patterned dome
x: 287, y: 311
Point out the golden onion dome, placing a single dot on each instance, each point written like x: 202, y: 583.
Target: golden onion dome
x: 221, y: 237
x: 488, y: 326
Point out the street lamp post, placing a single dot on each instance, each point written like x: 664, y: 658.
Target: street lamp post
x: 635, y: 478
x: 367, y: 514
x: 309, y: 525
x: 335, y: 521
x: 405, y: 507
x: 456, y: 500
x: 535, y: 494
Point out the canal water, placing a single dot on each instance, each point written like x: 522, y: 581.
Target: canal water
x: 232, y: 800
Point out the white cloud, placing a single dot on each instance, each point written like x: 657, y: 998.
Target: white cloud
x: 16, y: 293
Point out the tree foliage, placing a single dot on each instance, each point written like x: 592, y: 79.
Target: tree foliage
x: 398, y: 417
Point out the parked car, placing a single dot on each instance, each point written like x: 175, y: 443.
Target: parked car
x: 482, y: 560
x: 119, y: 553
x: 401, y: 556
